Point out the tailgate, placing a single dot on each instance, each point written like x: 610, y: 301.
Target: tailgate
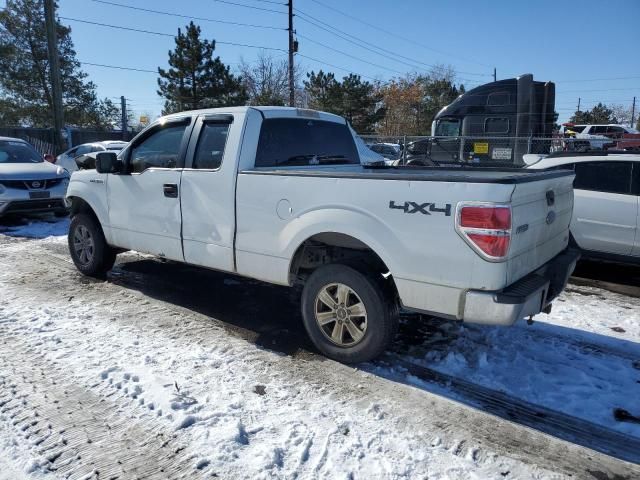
x: 540, y: 224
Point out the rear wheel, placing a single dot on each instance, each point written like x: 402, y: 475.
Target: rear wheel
x: 347, y: 314
x: 88, y: 248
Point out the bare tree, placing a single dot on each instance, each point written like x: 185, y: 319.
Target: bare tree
x: 267, y: 80
x: 622, y: 113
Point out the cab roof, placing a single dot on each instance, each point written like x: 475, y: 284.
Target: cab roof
x: 265, y: 111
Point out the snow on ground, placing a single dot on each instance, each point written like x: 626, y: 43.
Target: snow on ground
x: 243, y: 411
x: 30, y: 228
x: 246, y: 412
x: 555, y: 362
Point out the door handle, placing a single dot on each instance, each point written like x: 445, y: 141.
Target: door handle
x: 170, y: 190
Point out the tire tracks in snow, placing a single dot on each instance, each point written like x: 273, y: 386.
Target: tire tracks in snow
x: 553, y: 422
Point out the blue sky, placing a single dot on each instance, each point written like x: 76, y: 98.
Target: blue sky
x: 571, y: 43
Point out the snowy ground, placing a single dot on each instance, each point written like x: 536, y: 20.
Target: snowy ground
x: 583, y: 359
x: 118, y: 379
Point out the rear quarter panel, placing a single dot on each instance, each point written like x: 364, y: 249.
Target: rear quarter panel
x: 418, y: 248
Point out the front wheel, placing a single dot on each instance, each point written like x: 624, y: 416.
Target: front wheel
x: 347, y: 314
x: 88, y: 248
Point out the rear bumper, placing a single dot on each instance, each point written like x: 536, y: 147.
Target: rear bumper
x: 528, y: 296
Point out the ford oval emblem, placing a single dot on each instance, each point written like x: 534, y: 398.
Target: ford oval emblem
x: 551, y: 217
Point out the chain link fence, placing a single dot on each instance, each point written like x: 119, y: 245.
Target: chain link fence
x: 44, y: 141
x: 485, y: 150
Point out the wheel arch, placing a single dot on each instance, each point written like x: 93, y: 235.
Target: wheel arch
x: 330, y: 247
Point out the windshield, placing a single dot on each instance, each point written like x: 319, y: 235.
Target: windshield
x: 18, y: 152
x: 448, y: 127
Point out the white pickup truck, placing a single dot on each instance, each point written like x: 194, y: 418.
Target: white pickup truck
x: 279, y: 194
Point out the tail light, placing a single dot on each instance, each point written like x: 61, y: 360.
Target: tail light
x: 486, y: 228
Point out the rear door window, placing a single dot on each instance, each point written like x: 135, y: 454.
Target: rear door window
x: 210, y: 150
x: 610, y: 177
x: 297, y: 141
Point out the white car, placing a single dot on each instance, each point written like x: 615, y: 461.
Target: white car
x: 577, y: 138
x: 29, y: 184
x: 281, y: 195
x: 606, y: 214
x: 67, y: 160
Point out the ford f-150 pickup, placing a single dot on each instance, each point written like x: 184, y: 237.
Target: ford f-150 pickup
x: 280, y: 195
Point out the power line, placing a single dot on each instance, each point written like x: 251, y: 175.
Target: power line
x: 357, y: 42
x: 166, y: 34
x: 596, y: 79
x: 335, y: 66
x: 270, y: 1
x: 368, y: 46
x: 406, y: 39
x: 190, y: 17
x: 119, y: 68
x: 349, y: 55
x: 249, y: 6
x: 598, y: 90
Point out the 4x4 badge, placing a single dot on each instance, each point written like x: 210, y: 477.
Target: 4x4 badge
x: 426, y: 208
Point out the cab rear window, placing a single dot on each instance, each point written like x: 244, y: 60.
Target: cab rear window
x: 297, y: 141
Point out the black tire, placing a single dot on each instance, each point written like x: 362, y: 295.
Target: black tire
x: 381, y: 316
x: 100, y: 257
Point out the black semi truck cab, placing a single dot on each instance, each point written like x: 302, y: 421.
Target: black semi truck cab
x: 494, y: 123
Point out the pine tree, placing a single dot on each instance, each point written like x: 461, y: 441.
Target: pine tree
x: 323, y: 91
x: 598, y: 114
x: 359, y: 103
x: 25, y: 84
x: 352, y: 98
x: 195, y: 79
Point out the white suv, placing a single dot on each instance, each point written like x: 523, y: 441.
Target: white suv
x: 606, y: 213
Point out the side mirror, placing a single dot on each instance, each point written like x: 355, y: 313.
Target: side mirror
x: 49, y: 158
x: 107, y: 162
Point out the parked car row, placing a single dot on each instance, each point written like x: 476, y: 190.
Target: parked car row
x: 77, y: 157
x: 599, y: 137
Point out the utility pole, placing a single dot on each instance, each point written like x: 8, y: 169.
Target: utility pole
x: 124, y: 126
x: 633, y: 113
x: 578, y: 104
x: 292, y: 93
x: 495, y: 76
x: 54, y: 72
